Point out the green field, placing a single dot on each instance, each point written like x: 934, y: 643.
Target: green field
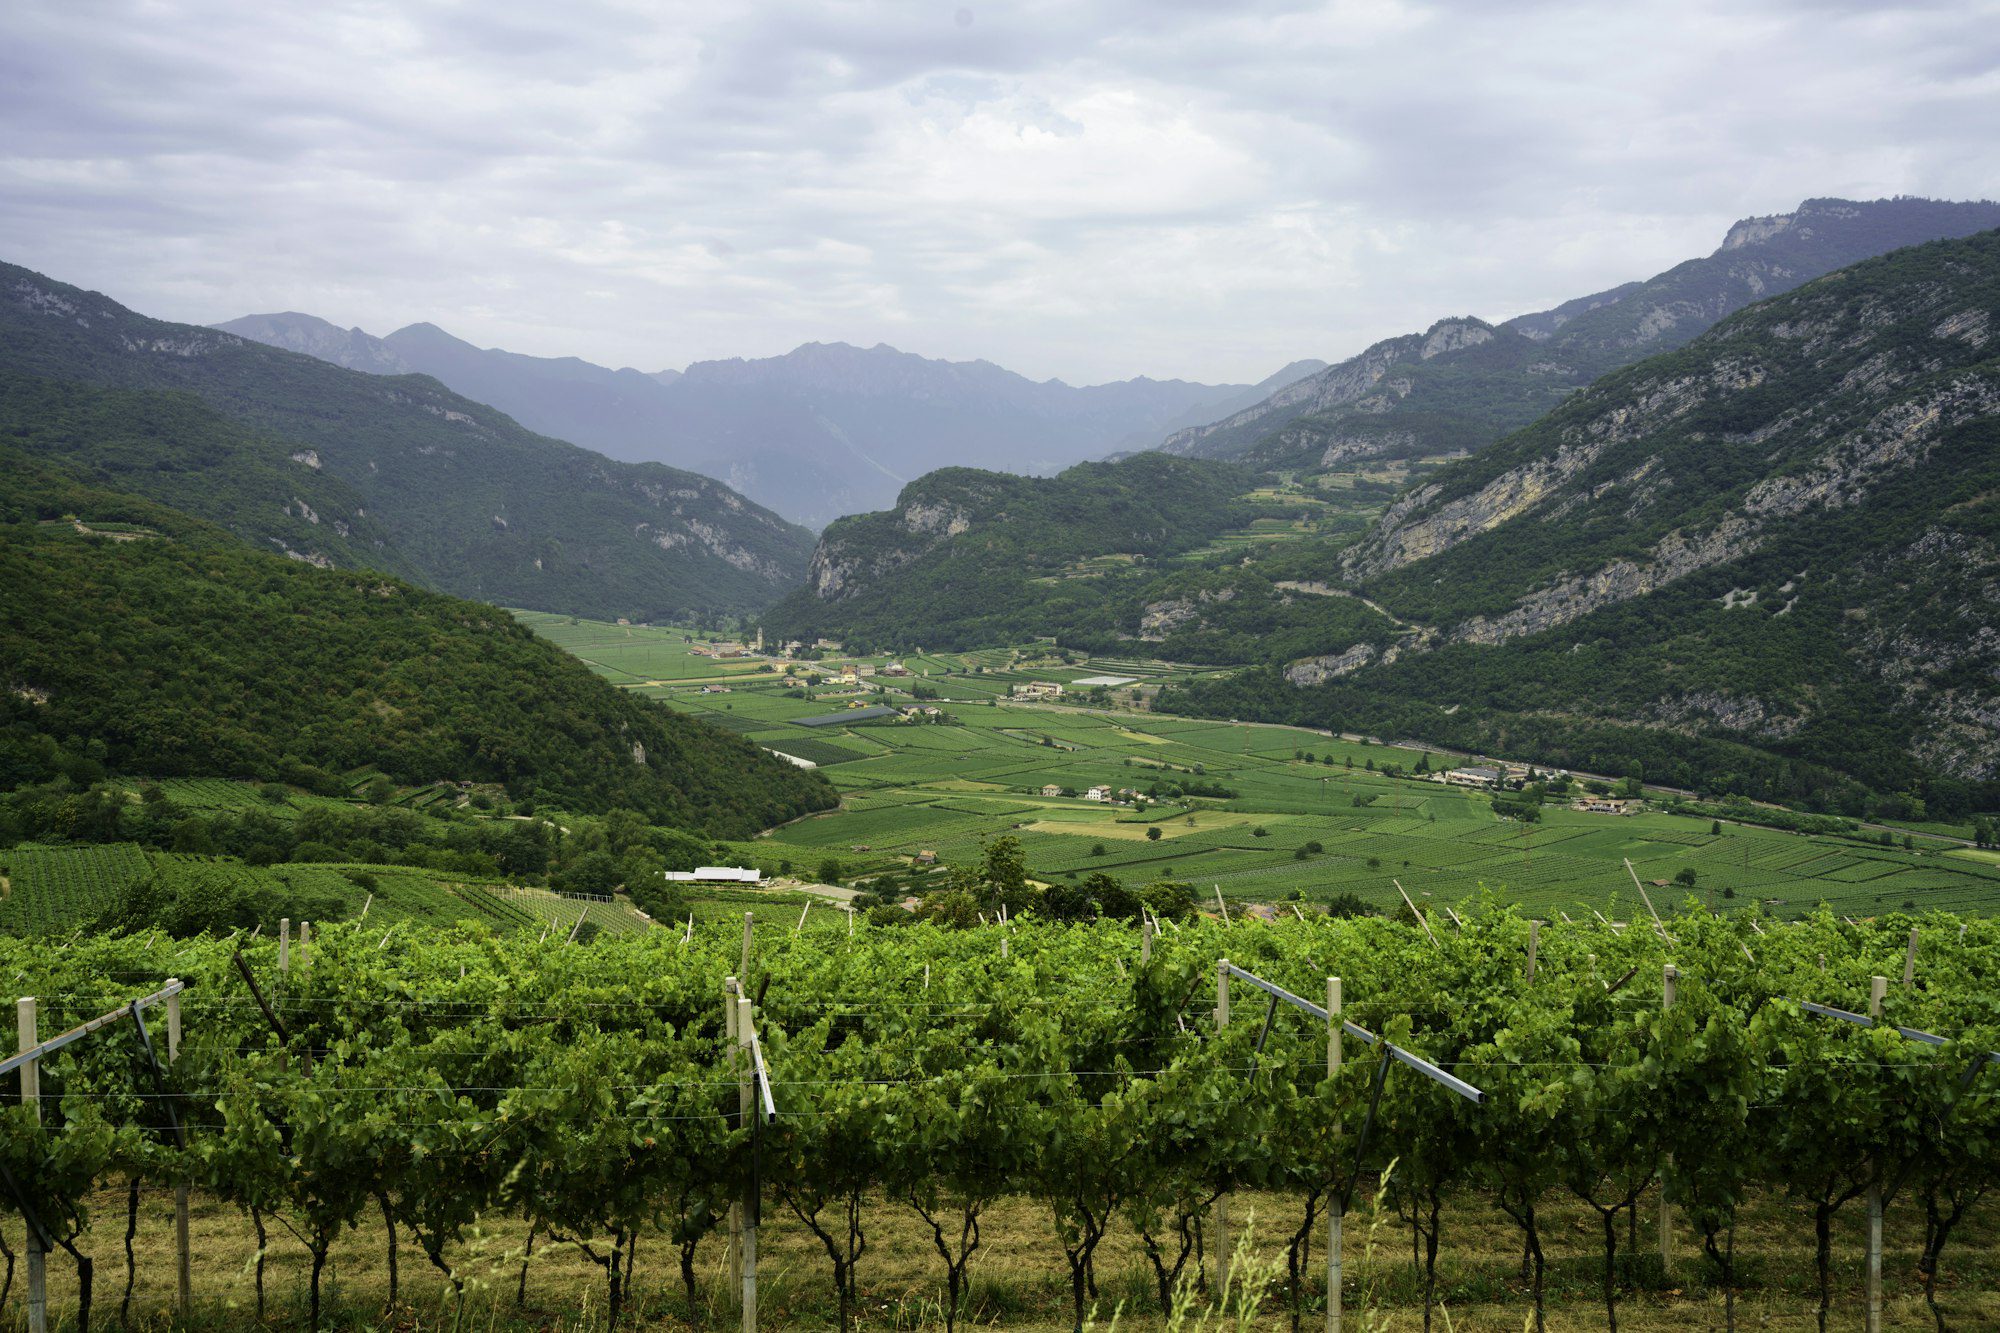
x: 53, y: 890
x: 948, y: 789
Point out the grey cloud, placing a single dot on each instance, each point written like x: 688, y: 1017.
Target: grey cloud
x: 1083, y: 190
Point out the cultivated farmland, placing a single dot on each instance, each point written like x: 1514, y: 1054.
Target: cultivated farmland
x: 1260, y: 813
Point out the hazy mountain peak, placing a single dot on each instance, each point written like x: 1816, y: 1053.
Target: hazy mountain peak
x: 298, y: 332
x: 1464, y: 382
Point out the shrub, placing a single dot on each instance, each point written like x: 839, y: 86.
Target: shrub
x: 1348, y: 904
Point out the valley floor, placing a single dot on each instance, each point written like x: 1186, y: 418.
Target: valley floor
x: 1289, y: 814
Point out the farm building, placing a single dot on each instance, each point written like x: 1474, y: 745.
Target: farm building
x: 1098, y: 794
x: 1605, y: 805
x: 713, y: 875
x: 1474, y: 777
x: 894, y: 669
x: 838, y: 719
x: 1051, y: 789
x: 1038, y: 689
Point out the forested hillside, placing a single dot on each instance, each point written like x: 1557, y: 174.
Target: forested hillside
x: 465, y: 498
x: 1770, y: 557
x: 969, y: 558
x: 138, y: 640
x: 1465, y: 383
x: 174, y: 448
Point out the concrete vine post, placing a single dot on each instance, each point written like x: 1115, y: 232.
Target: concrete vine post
x: 184, y: 1281
x: 1878, y: 990
x: 1222, y: 1202
x: 1670, y: 985
x: 1334, y: 1219
x: 31, y: 1096
x: 745, y: 1017
x: 734, y: 1249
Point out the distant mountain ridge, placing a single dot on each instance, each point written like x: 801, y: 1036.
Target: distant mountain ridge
x: 824, y: 430
x: 457, y: 494
x: 1464, y: 382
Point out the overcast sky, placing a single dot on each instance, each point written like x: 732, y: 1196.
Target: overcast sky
x: 1081, y: 190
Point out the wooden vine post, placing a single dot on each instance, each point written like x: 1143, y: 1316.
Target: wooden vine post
x: 1222, y: 1201
x: 1333, y: 1214
x: 1534, y: 946
x: 1878, y: 990
x: 31, y: 1095
x: 748, y: 1248
x: 1670, y: 984
x: 1145, y: 941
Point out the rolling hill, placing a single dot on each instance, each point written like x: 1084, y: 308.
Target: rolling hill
x: 140, y: 640
x: 460, y: 495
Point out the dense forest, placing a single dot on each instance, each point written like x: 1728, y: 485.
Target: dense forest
x: 469, y: 501
x: 139, y: 640
x: 176, y: 449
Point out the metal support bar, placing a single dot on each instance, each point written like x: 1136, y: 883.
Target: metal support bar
x: 53, y: 1044
x: 1263, y: 1036
x: 763, y: 1076
x: 1913, y: 1034
x: 159, y: 1075
x: 1359, y: 1033
x: 1367, y: 1125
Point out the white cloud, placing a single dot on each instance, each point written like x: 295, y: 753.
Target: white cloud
x: 1089, y: 191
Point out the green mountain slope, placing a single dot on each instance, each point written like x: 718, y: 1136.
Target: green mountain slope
x: 1465, y: 383
x: 1764, y: 559
x: 470, y: 501
x: 176, y: 449
x: 969, y: 558
x: 138, y: 639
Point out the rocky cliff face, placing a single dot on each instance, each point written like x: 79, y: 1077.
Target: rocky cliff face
x: 847, y: 565
x: 1816, y: 477
x: 1353, y: 382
